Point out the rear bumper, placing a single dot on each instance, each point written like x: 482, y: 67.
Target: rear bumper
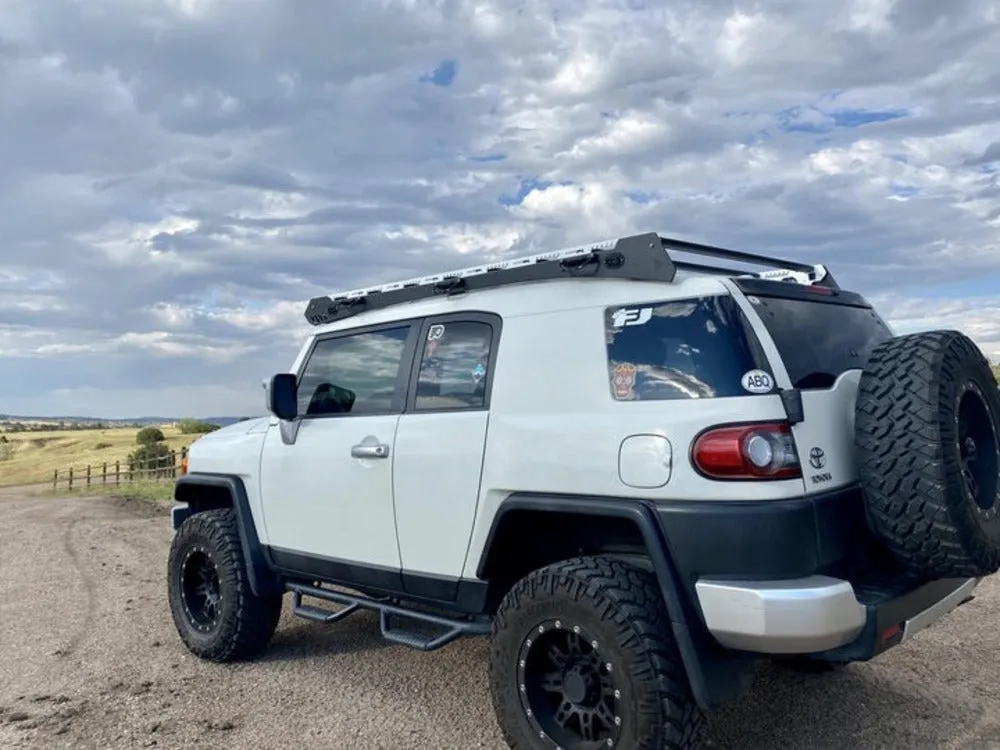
x: 823, y: 615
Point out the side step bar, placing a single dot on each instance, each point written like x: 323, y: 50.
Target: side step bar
x: 454, y: 629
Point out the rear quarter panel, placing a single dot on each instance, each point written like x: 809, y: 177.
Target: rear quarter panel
x: 555, y: 427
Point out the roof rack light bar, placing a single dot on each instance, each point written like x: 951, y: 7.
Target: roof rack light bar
x: 642, y: 257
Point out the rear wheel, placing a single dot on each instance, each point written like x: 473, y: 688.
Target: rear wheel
x: 583, y: 657
x: 216, y: 614
x: 928, y: 450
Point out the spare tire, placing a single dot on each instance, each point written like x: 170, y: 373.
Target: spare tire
x: 927, y: 441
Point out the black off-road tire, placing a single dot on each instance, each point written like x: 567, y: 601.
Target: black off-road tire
x: 923, y: 400
x: 620, y: 608
x: 241, y: 624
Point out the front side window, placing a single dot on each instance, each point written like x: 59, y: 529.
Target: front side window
x: 454, y: 365
x: 355, y: 374
x: 683, y: 349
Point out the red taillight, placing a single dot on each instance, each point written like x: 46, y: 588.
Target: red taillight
x: 752, y: 451
x: 816, y: 289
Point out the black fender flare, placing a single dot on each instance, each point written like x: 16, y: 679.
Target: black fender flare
x: 264, y: 581
x: 717, y: 675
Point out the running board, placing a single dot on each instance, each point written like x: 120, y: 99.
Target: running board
x: 454, y: 629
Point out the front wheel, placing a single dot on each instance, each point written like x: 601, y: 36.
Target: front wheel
x: 583, y: 657
x: 216, y: 614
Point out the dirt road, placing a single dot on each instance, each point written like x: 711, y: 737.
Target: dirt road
x: 90, y: 660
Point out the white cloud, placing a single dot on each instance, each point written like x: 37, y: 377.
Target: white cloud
x: 186, y: 174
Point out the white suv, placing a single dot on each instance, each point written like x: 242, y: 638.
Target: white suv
x: 637, y: 473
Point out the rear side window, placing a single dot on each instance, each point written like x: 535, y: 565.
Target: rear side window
x: 683, y: 349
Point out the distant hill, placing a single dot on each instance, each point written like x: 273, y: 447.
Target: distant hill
x: 140, y: 421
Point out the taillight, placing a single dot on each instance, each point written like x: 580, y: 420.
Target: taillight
x: 752, y: 451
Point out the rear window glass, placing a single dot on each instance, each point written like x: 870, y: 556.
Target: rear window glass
x: 819, y: 341
x: 683, y: 349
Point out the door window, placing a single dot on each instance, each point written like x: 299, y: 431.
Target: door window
x: 356, y: 374
x: 454, y: 366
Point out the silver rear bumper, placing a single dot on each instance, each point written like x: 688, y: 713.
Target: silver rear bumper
x: 800, y: 616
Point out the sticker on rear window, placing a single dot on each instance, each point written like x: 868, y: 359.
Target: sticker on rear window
x: 757, y: 381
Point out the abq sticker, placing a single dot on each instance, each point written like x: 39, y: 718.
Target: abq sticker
x: 757, y: 381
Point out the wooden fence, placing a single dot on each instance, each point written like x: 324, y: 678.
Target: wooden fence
x: 163, y: 468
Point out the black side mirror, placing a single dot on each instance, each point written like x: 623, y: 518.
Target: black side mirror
x: 282, y: 396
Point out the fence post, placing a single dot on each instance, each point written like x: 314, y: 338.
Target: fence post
x: 55, y: 479
x: 71, y: 478
x: 118, y: 473
x: 88, y: 475
x: 104, y: 473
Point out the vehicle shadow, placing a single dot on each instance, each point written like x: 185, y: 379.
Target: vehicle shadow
x: 854, y: 706
x: 299, y: 639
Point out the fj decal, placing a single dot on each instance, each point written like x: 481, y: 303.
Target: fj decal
x: 631, y: 316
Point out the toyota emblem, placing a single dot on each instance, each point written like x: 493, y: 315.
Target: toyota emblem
x: 817, y: 458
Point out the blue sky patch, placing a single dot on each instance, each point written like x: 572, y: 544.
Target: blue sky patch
x: 905, y: 191
x: 487, y: 157
x: 854, y: 118
x: 640, y: 196
x: 442, y: 75
x: 523, y: 189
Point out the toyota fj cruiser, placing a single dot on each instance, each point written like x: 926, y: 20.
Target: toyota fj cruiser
x: 637, y: 473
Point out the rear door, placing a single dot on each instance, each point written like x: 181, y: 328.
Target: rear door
x: 823, y: 338
x: 440, y: 442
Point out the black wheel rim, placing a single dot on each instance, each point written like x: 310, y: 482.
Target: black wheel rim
x: 201, y: 592
x: 978, y: 449
x: 567, y: 687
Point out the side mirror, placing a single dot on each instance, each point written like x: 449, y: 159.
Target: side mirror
x: 282, y: 396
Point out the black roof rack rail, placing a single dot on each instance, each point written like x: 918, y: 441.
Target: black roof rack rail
x: 641, y: 257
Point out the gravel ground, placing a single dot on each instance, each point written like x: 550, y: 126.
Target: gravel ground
x: 92, y: 661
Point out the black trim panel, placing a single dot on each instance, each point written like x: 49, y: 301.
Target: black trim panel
x: 463, y: 595
x: 887, y: 608
x: 828, y: 295
x: 263, y: 581
x: 769, y: 539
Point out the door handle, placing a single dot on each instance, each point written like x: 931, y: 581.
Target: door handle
x: 370, y: 450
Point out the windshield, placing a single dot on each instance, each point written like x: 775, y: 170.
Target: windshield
x: 818, y: 339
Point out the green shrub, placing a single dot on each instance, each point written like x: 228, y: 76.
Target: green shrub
x: 102, y: 446
x: 149, y: 436
x: 7, y: 449
x: 190, y: 426
x: 151, y: 460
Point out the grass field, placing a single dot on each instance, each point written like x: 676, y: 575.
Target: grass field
x: 37, y: 454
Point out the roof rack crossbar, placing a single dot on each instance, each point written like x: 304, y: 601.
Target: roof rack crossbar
x: 738, y: 256
x: 642, y: 257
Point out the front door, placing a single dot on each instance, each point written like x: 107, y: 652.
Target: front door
x: 326, y: 479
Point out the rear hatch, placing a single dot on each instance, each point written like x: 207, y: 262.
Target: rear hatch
x: 824, y: 338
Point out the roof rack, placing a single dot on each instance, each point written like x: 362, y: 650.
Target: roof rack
x: 641, y: 257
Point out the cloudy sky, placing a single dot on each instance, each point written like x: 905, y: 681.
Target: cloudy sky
x: 179, y: 176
